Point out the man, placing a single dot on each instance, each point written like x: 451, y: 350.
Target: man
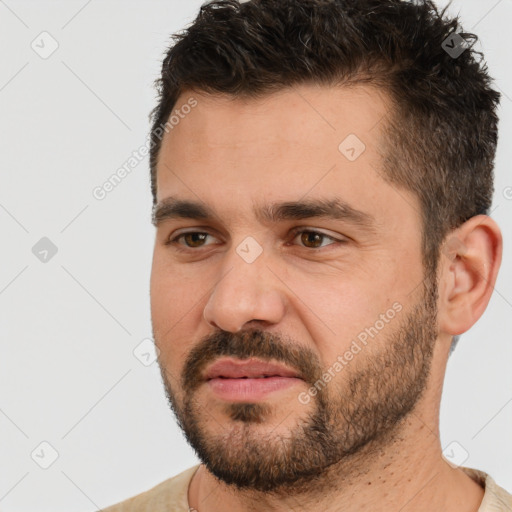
x: 321, y: 174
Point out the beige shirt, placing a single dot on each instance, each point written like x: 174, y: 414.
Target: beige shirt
x: 171, y: 495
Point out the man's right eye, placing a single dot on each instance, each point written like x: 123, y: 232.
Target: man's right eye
x: 191, y: 239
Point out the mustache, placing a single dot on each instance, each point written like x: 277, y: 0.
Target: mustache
x: 246, y: 344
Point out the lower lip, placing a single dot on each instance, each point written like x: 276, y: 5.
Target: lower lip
x: 250, y: 389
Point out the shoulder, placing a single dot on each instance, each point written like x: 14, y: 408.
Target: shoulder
x: 168, y: 496
x: 495, y: 498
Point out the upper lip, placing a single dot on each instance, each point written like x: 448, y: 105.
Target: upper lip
x: 239, y: 368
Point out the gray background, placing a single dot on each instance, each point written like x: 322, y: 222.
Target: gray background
x: 69, y: 326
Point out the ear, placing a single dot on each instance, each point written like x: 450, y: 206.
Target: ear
x: 468, y: 266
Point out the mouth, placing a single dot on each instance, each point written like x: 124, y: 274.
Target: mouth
x: 247, y: 369
x: 248, y: 379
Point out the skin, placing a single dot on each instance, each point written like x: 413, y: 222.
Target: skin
x: 233, y: 154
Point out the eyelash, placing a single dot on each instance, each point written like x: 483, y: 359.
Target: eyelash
x: 294, y: 233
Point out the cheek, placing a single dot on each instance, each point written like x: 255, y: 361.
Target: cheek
x: 177, y: 304
x: 175, y: 294
x: 343, y: 309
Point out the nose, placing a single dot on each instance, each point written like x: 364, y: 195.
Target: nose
x: 246, y: 293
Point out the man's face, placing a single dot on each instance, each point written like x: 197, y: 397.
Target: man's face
x: 288, y: 342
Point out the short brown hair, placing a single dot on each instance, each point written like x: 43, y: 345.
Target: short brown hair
x: 442, y: 133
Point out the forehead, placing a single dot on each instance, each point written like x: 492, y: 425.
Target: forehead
x: 314, y: 115
x: 309, y: 140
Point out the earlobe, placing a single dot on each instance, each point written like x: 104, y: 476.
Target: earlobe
x: 469, y: 263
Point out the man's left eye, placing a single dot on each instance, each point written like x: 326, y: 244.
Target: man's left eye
x: 313, y: 239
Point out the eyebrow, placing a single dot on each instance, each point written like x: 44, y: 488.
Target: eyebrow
x: 175, y: 208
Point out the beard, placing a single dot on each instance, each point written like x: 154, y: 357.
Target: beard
x: 339, y: 430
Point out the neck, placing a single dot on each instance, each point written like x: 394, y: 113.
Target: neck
x: 405, y: 472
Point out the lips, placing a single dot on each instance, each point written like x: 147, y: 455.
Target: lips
x: 248, y: 369
x: 248, y: 380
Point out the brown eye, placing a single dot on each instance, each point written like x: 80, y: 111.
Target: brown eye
x: 194, y: 239
x: 311, y: 239
x: 314, y: 239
